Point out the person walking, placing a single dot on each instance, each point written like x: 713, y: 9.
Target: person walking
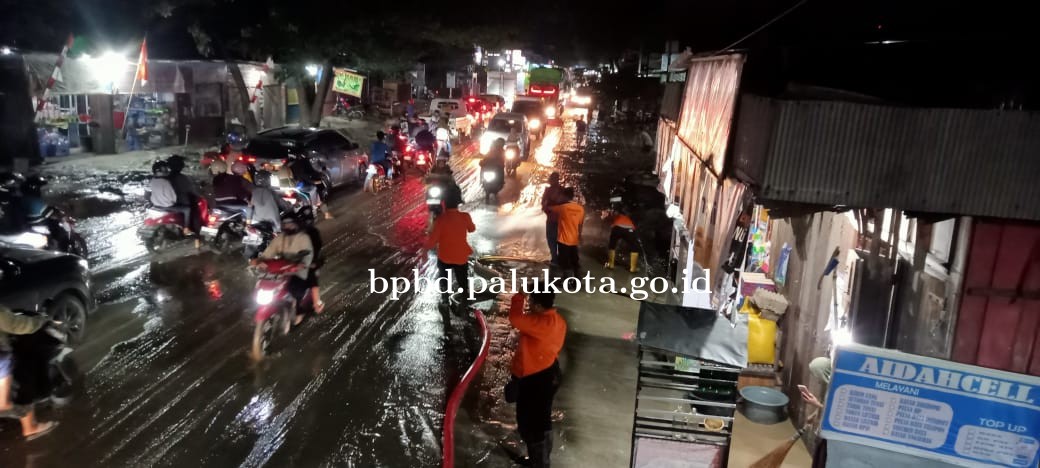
x: 645, y: 140
x: 448, y: 236
x: 571, y: 217
x: 552, y: 196
x: 536, y: 371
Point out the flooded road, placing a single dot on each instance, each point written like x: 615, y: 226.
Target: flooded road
x: 168, y: 381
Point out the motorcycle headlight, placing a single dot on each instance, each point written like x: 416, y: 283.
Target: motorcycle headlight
x: 434, y: 192
x: 485, y: 143
x: 489, y: 176
x: 511, y: 153
x: 550, y: 112
x: 534, y: 124
x: 264, y: 296
x: 31, y: 239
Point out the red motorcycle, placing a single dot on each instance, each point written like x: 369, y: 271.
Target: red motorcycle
x: 276, y: 306
x: 423, y: 161
x: 164, y: 226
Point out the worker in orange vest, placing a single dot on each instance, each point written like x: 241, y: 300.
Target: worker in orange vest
x: 622, y: 228
x: 449, y: 238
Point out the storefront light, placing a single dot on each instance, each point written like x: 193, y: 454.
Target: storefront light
x: 312, y: 69
x: 109, y: 67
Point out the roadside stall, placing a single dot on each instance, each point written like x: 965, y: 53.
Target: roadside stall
x: 686, y: 394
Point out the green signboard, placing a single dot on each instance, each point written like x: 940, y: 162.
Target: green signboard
x: 347, y: 83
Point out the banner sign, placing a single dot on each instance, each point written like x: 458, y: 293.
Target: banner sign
x: 955, y: 413
x: 347, y: 83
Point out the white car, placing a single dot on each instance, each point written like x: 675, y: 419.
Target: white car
x: 460, y: 123
x: 501, y: 126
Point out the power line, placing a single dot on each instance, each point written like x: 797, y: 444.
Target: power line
x: 760, y: 28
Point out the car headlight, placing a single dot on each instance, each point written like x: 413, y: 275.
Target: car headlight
x: 550, y: 112
x: 534, y: 124
x: 264, y: 296
x: 434, y: 192
x: 511, y: 153
x: 489, y: 176
x: 31, y: 239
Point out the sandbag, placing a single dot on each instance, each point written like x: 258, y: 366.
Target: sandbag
x: 761, y: 340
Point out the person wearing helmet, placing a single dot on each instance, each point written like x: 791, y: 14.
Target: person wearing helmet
x: 242, y: 170
x: 33, y: 206
x: 293, y: 242
x: 380, y: 153
x: 161, y: 193
x: 265, y: 203
x: 303, y: 172
x: 228, y: 189
x: 496, y: 158
x: 12, y: 216
x: 186, y: 190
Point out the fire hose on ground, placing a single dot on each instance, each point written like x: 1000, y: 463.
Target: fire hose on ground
x: 455, y: 398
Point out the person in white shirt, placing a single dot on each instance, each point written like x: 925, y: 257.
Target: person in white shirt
x: 161, y: 193
x: 444, y: 137
x: 645, y: 140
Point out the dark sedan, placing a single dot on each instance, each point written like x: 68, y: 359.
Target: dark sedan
x: 331, y: 153
x: 55, y: 283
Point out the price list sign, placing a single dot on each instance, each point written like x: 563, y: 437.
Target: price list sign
x: 960, y: 414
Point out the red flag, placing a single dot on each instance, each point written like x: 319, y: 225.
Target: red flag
x: 142, y: 63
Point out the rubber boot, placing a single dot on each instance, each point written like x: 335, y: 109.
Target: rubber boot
x: 633, y: 262
x: 611, y: 254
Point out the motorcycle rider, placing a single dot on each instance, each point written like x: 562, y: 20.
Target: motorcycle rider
x: 234, y: 143
x: 265, y: 203
x: 303, y: 171
x: 380, y: 153
x: 425, y: 140
x: 229, y: 189
x: 291, y: 242
x: 581, y: 129
x: 443, y: 138
x: 13, y: 324
x: 186, y: 190
x: 32, y: 202
x: 495, y: 161
x: 161, y: 193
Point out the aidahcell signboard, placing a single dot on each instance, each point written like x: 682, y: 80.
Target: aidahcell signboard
x: 955, y: 413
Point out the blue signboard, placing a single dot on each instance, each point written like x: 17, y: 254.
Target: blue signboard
x: 955, y: 413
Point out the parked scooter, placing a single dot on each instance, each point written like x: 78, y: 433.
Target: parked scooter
x: 276, y: 307
x: 165, y: 226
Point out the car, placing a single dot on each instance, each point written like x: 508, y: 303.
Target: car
x: 534, y: 109
x: 53, y: 283
x: 500, y: 126
x: 336, y: 157
x: 498, y: 102
x: 460, y: 122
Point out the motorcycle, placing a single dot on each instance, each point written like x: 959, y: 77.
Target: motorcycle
x: 54, y: 231
x: 423, y: 160
x: 512, y: 158
x: 435, y: 193
x: 164, y: 226
x: 43, y: 367
x: 257, y: 236
x: 225, y: 225
x: 276, y: 307
x: 491, y: 182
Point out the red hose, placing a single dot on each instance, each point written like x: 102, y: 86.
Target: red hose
x: 457, y: 393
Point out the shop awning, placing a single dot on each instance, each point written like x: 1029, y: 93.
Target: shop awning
x: 693, y: 332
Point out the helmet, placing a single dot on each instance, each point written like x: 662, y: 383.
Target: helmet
x: 236, y: 140
x: 499, y: 143
x: 380, y: 135
x: 239, y: 168
x: 161, y: 168
x: 218, y: 167
x: 305, y: 215
x: 262, y: 179
x: 176, y: 163
x: 10, y: 182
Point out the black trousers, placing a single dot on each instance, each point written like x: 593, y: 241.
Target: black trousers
x: 568, y: 258
x: 534, y: 401
x: 459, y: 273
x: 618, y: 234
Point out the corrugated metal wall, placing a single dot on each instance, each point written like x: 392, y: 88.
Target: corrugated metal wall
x: 995, y: 329
x: 861, y: 155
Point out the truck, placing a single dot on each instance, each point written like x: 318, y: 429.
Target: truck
x: 460, y: 122
x: 547, y: 83
x: 501, y: 83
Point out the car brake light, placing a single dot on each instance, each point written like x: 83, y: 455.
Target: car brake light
x: 212, y: 220
x: 472, y: 99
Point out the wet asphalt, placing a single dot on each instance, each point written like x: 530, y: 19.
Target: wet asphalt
x: 167, y: 377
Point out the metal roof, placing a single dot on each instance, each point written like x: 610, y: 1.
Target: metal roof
x: 960, y: 161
